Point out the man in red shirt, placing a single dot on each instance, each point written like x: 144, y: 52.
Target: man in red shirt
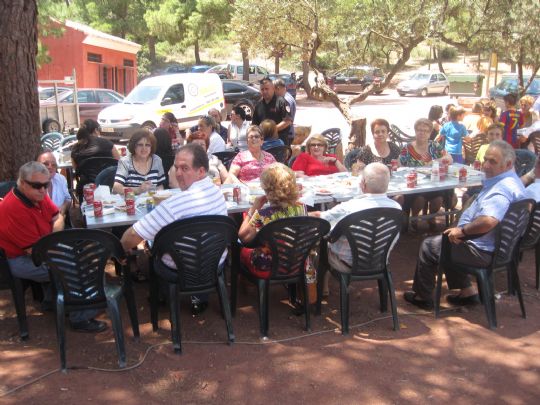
x: 28, y: 214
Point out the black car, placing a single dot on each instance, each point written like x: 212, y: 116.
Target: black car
x: 290, y: 83
x: 357, y: 78
x: 242, y: 93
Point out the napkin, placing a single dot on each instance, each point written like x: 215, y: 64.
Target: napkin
x: 102, y: 193
x: 308, y: 198
x: 106, y: 211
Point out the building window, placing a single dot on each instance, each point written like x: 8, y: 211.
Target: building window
x: 128, y: 62
x: 94, y: 57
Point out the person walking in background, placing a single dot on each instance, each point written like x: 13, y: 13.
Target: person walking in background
x: 452, y: 134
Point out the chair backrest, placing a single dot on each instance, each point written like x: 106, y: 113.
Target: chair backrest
x: 399, y: 137
x: 290, y: 240
x: 76, y: 259
x: 535, y: 140
x: 532, y: 236
x: 333, y: 137
x: 52, y: 141
x: 510, y: 231
x: 195, y: 245
x: 6, y: 186
x: 5, y: 272
x: 471, y: 148
x: 281, y: 153
x: 370, y: 234
x: 226, y: 157
x: 68, y: 142
x: 106, y: 176
x: 89, y: 169
x: 525, y: 160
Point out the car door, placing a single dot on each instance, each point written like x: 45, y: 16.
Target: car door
x: 342, y: 80
x: 174, y: 100
x: 443, y: 82
x: 88, y: 104
x: 432, y: 86
x: 233, y: 92
x: 261, y: 72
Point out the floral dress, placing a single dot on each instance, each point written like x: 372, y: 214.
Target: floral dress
x: 259, y: 260
x: 409, y: 157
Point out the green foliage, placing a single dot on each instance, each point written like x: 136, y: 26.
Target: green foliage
x: 448, y: 53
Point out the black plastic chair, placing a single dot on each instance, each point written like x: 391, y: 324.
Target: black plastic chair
x: 16, y: 285
x: 226, y: 157
x: 68, y: 142
x: 6, y: 186
x: 195, y: 246
x: 52, y: 141
x: 290, y: 241
x: 106, y: 176
x: 88, y: 170
x: 280, y: 153
x: 333, y: 137
x: 531, y: 241
x: 508, y: 234
x: 370, y: 234
x: 76, y: 259
x: 399, y: 137
x: 525, y: 161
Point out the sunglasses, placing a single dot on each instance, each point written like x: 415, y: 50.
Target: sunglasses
x: 316, y: 145
x: 36, y: 185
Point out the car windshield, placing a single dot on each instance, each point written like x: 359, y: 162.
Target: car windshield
x: 534, y: 88
x: 142, y: 95
x: 420, y: 76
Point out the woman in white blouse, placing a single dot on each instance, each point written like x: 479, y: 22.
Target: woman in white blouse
x: 237, y: 134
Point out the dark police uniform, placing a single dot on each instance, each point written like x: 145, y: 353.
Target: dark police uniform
x: 277, y: 110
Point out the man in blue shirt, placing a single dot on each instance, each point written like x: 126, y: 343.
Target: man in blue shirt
x: 501, y: 187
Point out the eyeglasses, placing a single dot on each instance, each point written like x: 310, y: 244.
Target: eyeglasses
x: 36, y: 185
x: 143, y: 145
x: 254, y: 137
x: 53, y: 164
x: 316, y: 145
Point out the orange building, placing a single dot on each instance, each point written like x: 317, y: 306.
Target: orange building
x: 99, y: 59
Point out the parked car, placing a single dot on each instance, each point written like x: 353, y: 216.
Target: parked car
x: 221, y: 70
x: 48, y: 92
x: 509, y: 84
x: 424, y: 83
x: 199, y: 68
x: 357, y: 78
x: 256, y: 72
x: 290, y: 83
x: 91, y: 102
x: 242, y: 93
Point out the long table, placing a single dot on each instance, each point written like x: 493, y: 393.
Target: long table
x: 317, y: 190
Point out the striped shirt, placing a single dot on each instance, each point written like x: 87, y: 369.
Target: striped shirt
x: 201, y: 198
x: 128, y: 176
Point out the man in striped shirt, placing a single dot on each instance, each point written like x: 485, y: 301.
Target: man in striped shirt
x: 198, y: 196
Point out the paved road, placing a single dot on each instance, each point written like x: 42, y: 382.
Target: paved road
x: 401, y: 111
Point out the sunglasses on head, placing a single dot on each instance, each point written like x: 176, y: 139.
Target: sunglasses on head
x: 37, y: 185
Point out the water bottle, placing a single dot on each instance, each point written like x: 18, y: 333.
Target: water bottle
x: 435, y: 172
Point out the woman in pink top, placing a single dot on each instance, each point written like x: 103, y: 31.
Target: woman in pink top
x: 315, y: 161
x: 249, y: 164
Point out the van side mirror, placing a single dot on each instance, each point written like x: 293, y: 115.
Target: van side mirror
x: 166, y: 101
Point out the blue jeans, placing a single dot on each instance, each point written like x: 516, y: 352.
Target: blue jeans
x: 24, y: 267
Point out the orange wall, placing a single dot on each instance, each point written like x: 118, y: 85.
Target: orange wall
x: 68, y: 53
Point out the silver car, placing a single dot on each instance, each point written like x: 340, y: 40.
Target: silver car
x: 424, y: 83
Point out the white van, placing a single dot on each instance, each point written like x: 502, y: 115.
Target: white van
x: 187, y: 95
x: 256, y: 72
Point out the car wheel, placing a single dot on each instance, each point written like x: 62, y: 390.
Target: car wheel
x: 401, y: 94
x: 149, y: 125
x: 51, y: 125
x: 423, y: 93
x: 379, y: 92
x: 446, y: 91
x: 248, y: 109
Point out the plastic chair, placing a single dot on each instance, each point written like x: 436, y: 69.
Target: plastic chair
x: 8, y: 281
x: 106, y: 176
x: 525, y: 160
x: 371, y: 234
x: 399, y: 137
x: 6, y: 186
x: 76, y: 259
x: 531, y: 241
x: 290, y: 241
x: 470, y: 149
x: 196, y: 246
x: 333, y: 137
x: 508, y: 234
x: 280, y: 153
x: 68, y: 142
x: 52, y: 141
x: 89, y: 169
x: 226, y: 157
x: 534, y: 138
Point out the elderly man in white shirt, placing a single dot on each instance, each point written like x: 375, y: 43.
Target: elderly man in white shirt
x: 374, y: 184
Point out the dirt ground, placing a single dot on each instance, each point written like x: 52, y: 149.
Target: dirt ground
x: 453, y: 359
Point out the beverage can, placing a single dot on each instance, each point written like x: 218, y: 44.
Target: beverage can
x: 411, y: 180
x: 98, y: 209
x: 130, y: 205
x: 149, y: 204
x: 88, y: 193
x: 394, y: 163
x: 237, y: 194
x: 463, y: 174
x: 127, y: 190
x: 477, y: 165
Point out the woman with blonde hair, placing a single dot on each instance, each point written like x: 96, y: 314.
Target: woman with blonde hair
x: 316, y: 161
x: 529, y: 115
x: 281, y: 194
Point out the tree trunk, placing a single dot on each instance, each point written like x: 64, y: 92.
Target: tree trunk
x: 276, y: 65
x: 19, y: 105
x: 439, y: 61
x: 152, y: 50
x: 197, y: 52
x: 357, y: 137
x: 245, y: 63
